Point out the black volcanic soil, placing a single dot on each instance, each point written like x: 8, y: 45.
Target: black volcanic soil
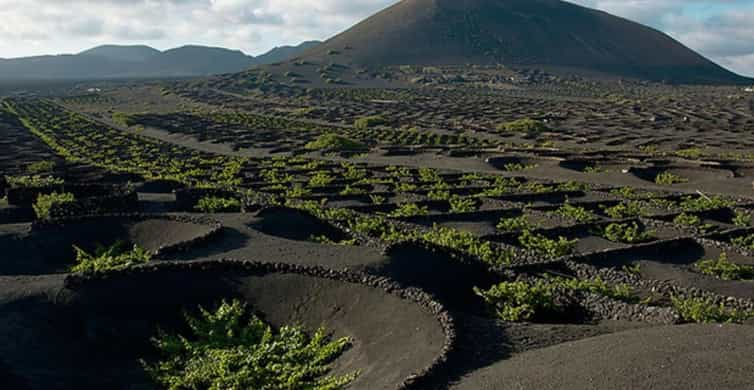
x: 91, y: 335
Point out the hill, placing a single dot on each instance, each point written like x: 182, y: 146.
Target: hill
x: 113, y: 61
x: 548, y: 34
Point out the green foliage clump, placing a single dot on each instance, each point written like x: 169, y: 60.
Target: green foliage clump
x: 690, y: 220
x: 703, y: 203
x: 575, y: 213
x: 744, y: 241
x: 546, y: 246
x: 33, y: 181
x: 725, y: 269
x: 113, y: 258
x: 230, y: 348
x: 626, y: 233
x: 44, y: 166
x: 668, y: 178
x: 409, y: 210
x: 624, y: 210
x: 377, y: 199
x: 320, y: 179
x: 45, y: 203
x: 689, y: 153
x: 516, y: 167
x: 459, y: 204
x: 514, y: 224
x: 528, y: 300
x: 214, y: 204
x: 742, y: 219
x: 467, y: 243
x: 334, y: 142
x: 375, y: 227
x: 523, y: 126
x: 368, y: 122
x: 705, y: 311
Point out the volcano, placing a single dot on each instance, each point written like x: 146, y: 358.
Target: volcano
x: 546, y: 34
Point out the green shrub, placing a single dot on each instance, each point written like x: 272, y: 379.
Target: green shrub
x: 690, y: 220
x: 541, y: 244
x: 745, y: 241
x: 230, y: 348
x: 625, y: 210
x: 376, y: 227
x: 626, y: 233
x: 703, y: 203
x: 725, y: 269
x: 116, y: 257
x: 44, y: 166
x: 575, y: 213
x: 409, y: 210
x: 213, y: 204
x: 320, y: 179
x: 516, y: 167
x: 742, y: 219
x: 45, y: 203
x: 34, y: 181
x: 514, y: 224
x: 334, y: 142
x: 705, y: 311
x: 524, y: 126
x: 377, y: 199
x: 459, y: 204
x: 528, y: 300
x: 668, y: 178
x: 368, y: 122
x: 467, y: 243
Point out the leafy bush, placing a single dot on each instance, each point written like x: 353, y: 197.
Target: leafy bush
x: 524, y: 126
x: 45, y: 203
x: 369, y: 121
x: 668, y: 178
x: 725, y: 269
x: 552, y: 248
x: 459, y: 204
x: 515, y: 224
x: 334, y: 142
x: 624, y: 210
x: 213, y: 204
x: 742, y: 219
x: 44, y: 166
x: 375, y: 227
x: 706, y: 311
x: 626, y: 233
x: 409, y: 210
x: 230, y: 348
x: 516, y: 167
x: 116, y: 257
x: 320, y: 179
x: 575, y: 213
x: 34, y: 181
x: 744, y: 241
x: 690, y: 220
x: 467, y: 243
x: 703, y: 203
x: 528, y: 300
x: 377, y: 199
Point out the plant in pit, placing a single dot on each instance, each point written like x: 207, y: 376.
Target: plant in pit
x: 706, y: 311
x: 668, y: 178
x: 33, y: 181
x: 514, y: 224
x: 467, y: 243
x: 321, y: 179
x: 215, y: 204
x: 45, y: 203
x: 527, y: 300
x: 624, y: 210
x: 459, y: 204
x: 334, y: 142
x: 725, y: 269
x: 627, y: 233
x: 692, y: 221
x: 575, y: 213
x: 115, y: 257
x: 742, y: 219
x: 546, y: 246
x: 744, y: 242
x: 44, y: 166
x: 377, y: 199
x: 409, y: 210
x: 230, y: 348
x: 703, y: 203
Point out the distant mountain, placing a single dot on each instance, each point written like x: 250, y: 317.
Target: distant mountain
x: 113, y: 61
x: 547, y: 34
x: 283, y: 53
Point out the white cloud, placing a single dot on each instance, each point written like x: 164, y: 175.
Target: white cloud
x: 720, y: 29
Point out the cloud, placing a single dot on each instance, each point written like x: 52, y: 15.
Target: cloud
x: 719, y: 29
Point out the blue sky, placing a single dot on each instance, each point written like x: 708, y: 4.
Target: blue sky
x: 723, y: 30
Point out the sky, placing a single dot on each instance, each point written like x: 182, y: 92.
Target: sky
x: 722, y: 30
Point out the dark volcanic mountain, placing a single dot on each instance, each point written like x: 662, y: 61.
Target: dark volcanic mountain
x: 549, y: 34
x: 112, y: 61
